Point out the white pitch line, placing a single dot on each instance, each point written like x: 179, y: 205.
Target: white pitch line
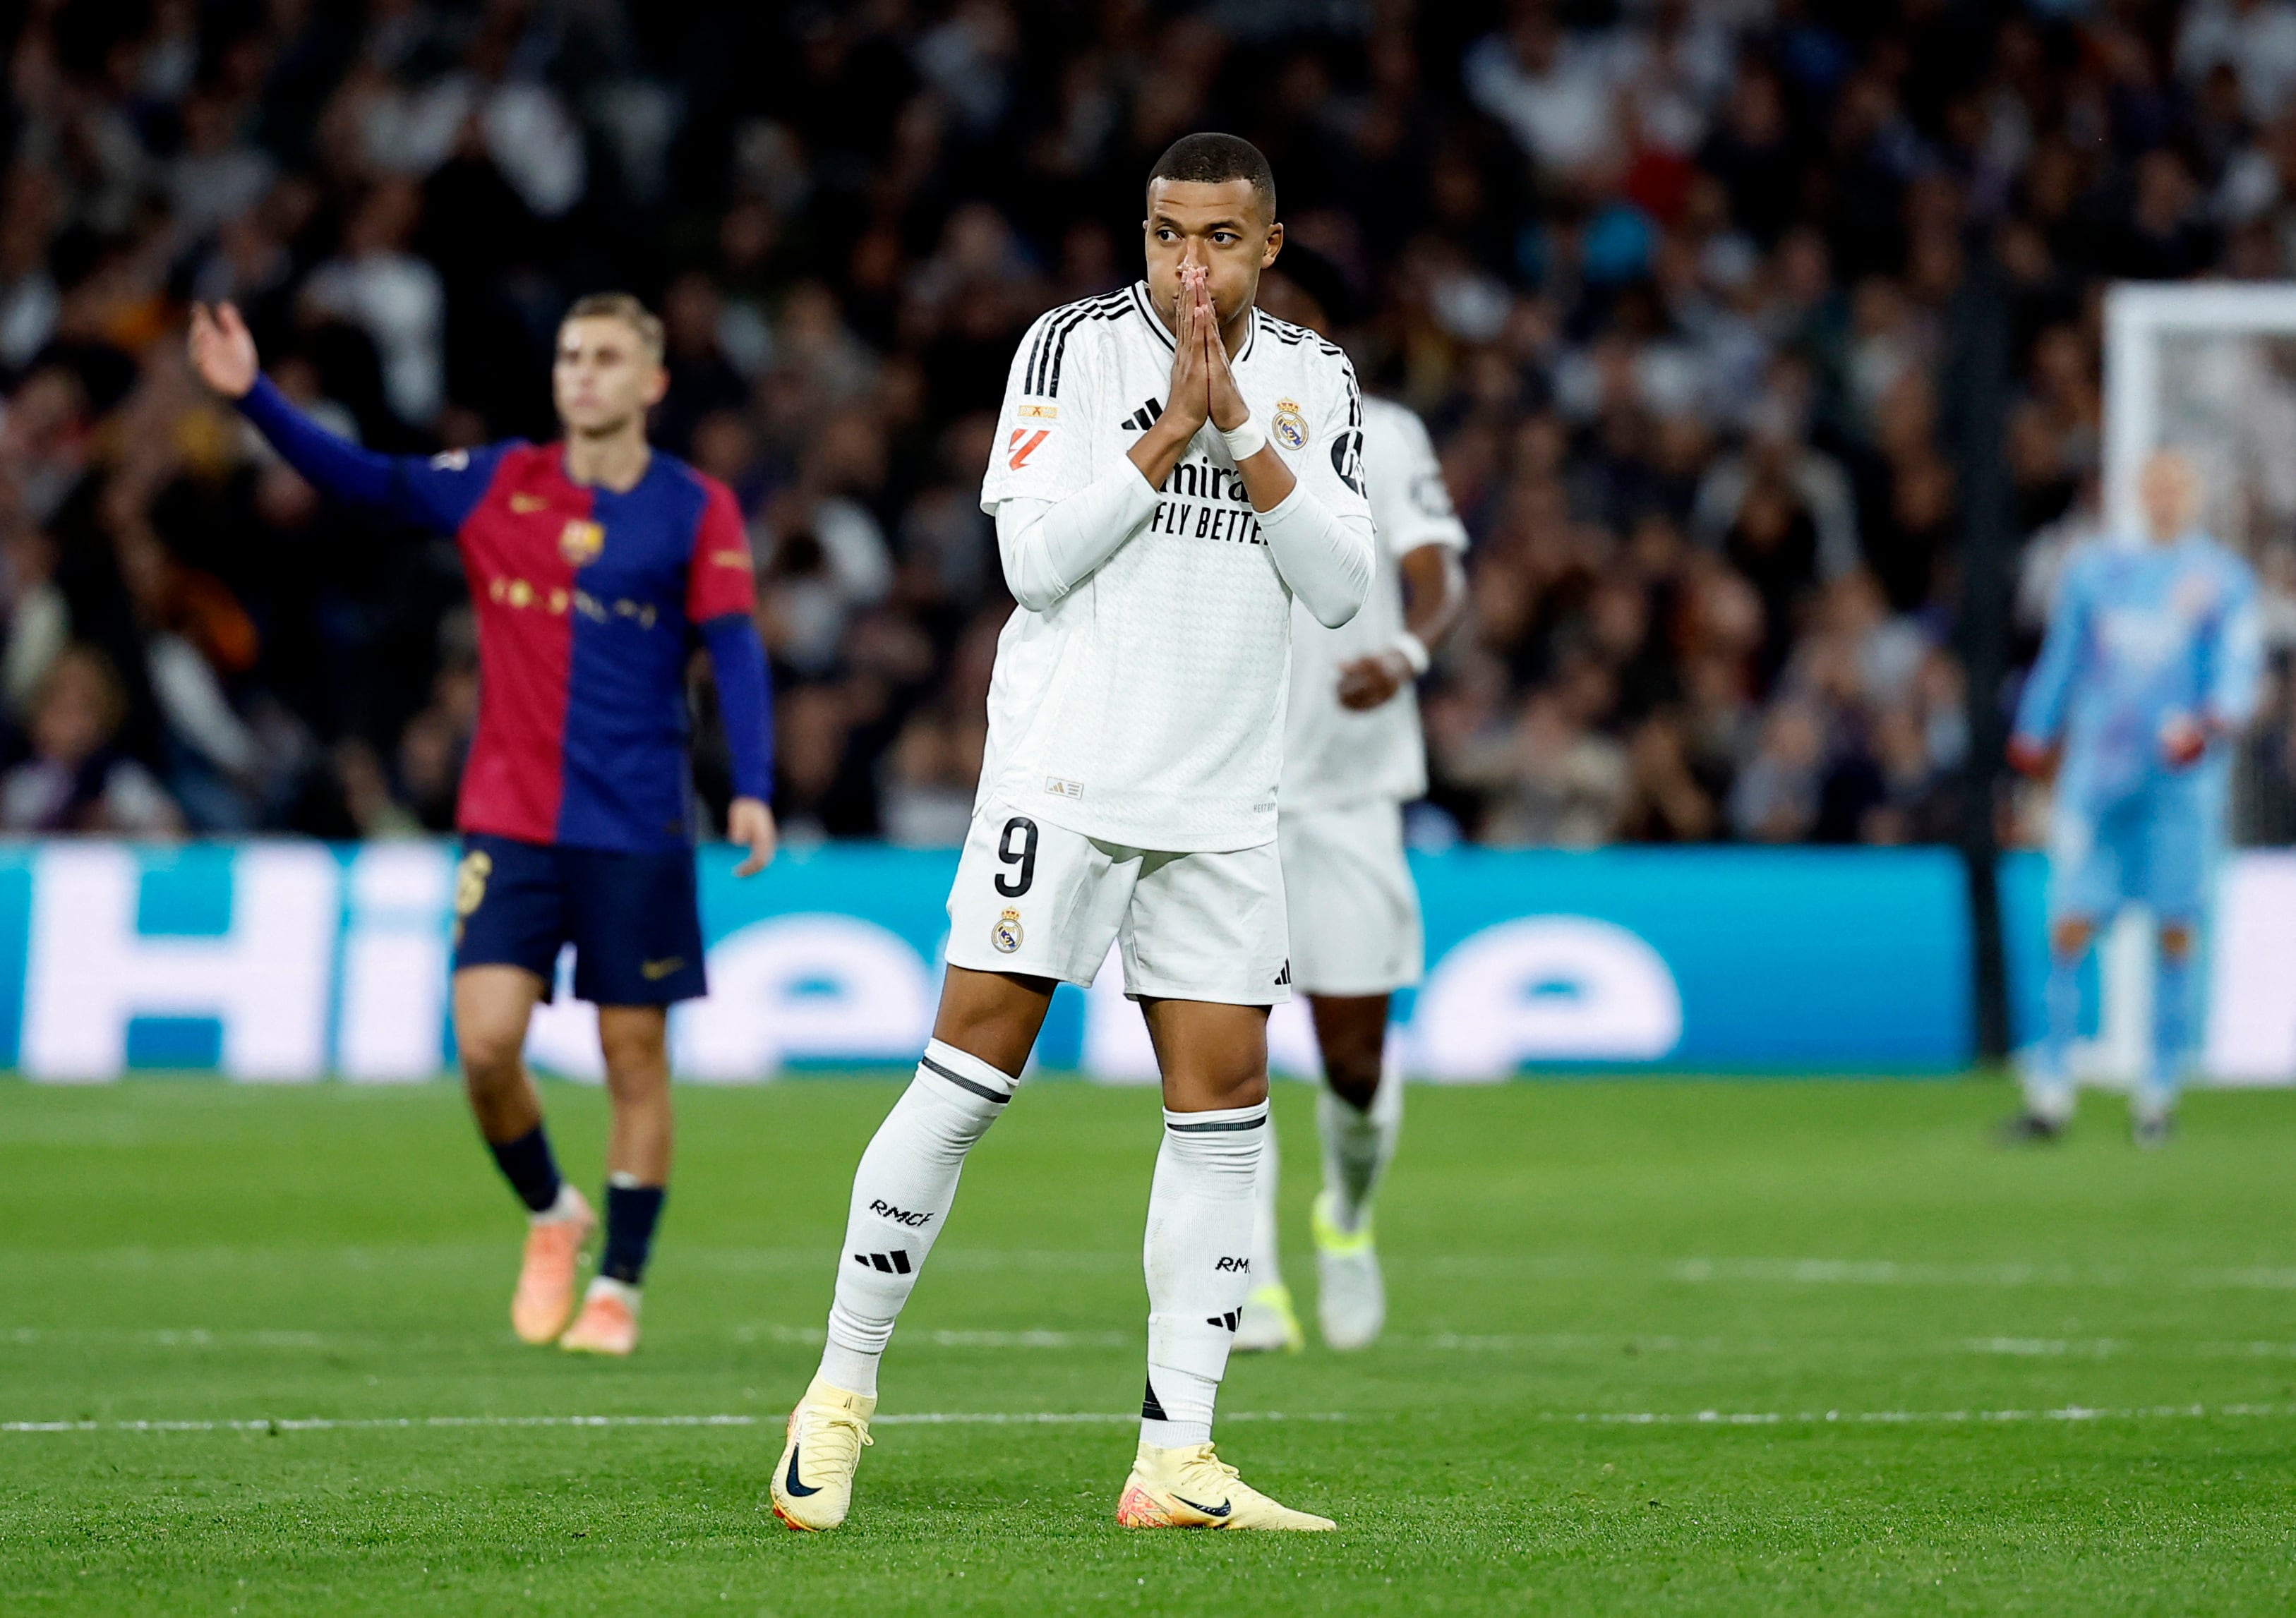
x: 204, y: 1337
x: 1772, y: 1418
x: 999, y: 1418
x: 946, y: 1338
x: 374, y: 1424
x: 187, y: 1337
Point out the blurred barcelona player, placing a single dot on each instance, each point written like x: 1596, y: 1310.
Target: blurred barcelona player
x: 595, y: 565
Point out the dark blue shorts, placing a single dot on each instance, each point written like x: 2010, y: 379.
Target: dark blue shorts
x: 635, y: 920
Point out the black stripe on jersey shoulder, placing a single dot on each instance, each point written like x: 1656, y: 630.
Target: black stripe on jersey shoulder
x: 1042, y: 377
x: 1116, y: 311
x: 1138, y: 291
x: 1295, y: 336
x: 1051, y: 329
x: 1284, y: 331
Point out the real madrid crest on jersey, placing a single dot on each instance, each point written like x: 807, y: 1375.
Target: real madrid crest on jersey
x: 1289, y: 425
x: 1006, y: 935
x: 580, y: 542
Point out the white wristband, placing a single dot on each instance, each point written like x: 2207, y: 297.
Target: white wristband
x: 1413, y: 650
x: 1246, y: 441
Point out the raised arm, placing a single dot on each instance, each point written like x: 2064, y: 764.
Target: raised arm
x: 436, y: 493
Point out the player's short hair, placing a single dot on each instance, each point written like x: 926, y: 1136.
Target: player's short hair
x: 623, y: 306
x: 1210, y: 158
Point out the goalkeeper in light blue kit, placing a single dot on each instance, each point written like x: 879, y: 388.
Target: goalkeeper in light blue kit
x: 2149, y: 669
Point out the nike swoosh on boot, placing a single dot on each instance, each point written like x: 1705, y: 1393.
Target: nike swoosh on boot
x: 800, y: 1491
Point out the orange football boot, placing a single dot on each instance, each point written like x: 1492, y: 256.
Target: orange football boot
x: 545, y: 1299
x: 608, y: 1323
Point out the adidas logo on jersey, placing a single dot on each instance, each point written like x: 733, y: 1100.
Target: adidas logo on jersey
x: 896, y: 1262
x: 1141, y: 420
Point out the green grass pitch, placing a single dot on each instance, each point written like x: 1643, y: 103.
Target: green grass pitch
x: 1655, y: 1346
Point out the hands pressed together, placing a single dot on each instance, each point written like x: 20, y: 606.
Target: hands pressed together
x: 1204, y: 390
x: 1203, y: 387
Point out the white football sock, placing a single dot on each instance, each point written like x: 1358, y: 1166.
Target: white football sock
x: 1358, y: 1146
x: 1267, y: 1263
x: 1198, y: 1258
x: 901, y: 1195
x: 568, y: 1205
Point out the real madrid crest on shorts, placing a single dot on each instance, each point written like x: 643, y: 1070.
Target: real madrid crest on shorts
x: 580, y: 542
x: 1289, y: 426
x: 1006, y: 935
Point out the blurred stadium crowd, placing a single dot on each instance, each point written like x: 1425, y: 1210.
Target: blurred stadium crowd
x: 1668, y: 278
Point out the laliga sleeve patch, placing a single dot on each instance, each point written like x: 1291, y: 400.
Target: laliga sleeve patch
x: 1023, y: 443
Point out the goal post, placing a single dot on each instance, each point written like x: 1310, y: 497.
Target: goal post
x: 2209, y: 369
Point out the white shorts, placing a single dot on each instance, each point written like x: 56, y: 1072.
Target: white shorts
x: 1355, y: 913
x: 1039, y: 900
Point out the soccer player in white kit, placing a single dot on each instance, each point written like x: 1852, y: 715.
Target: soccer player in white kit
x: 1352, y: 757
x: 1173, y: 469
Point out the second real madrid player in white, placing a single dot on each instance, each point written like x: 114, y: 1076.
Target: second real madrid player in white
x: 1352, y: 757
x: 1174, y: 470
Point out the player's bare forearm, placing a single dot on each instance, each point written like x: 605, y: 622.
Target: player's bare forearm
x: 1267, y: 479
x: 1435, y: 593
x: 1159, y: 449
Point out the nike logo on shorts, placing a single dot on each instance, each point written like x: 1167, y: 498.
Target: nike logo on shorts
x: 655, y: 971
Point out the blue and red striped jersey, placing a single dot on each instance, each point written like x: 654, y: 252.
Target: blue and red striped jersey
x: 590, y: 603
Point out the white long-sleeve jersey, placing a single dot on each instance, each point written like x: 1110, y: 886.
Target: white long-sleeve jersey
x: 1140, y: 687
x: 1333, y: 756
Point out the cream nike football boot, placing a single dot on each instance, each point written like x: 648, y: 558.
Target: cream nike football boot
x: 813, y: 1481
x: 1190, y: 1487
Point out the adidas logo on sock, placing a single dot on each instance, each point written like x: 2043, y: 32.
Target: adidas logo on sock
x: 1141, y: 420
x: 894, y: 1262
x: 1228, y: 1320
